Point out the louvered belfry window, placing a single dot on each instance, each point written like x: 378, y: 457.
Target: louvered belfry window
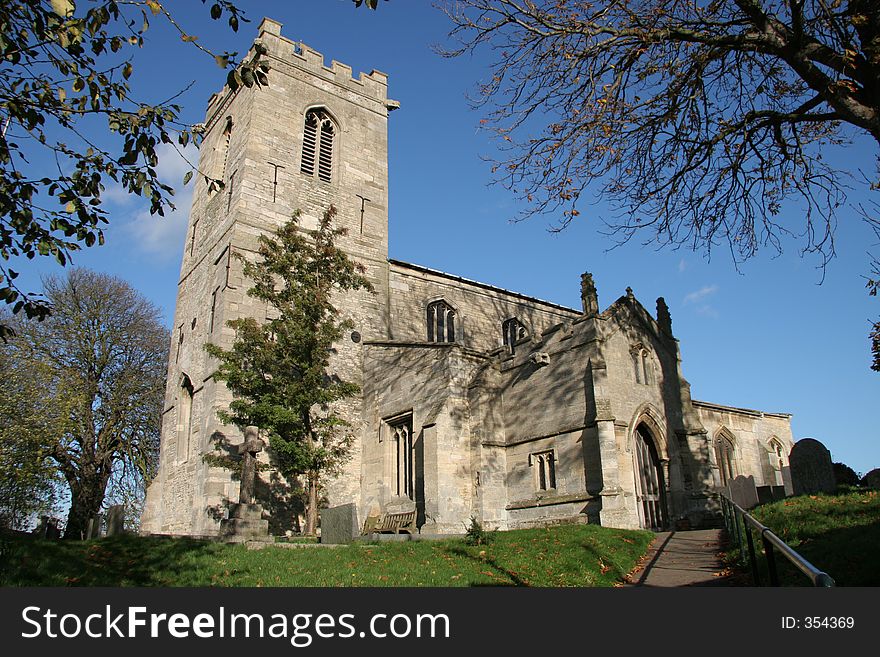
x: 317, y: 152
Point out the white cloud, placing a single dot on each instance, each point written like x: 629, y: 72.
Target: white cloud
x: 163, y: 236
x: 699, y: 299
x: 701, y: 294
x: 682, y: 265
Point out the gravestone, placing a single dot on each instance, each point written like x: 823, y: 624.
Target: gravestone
x: 93, y: 529
x: 245, y: 521
x: 742, y: 491
x: 786, y: 481
x: 767, y: 494
x: 116, y: 520
x: 52, y: 531
x: 872, y: 479
x: 47, y: 528
x: 811, y: 469
x: 339, y: 524
x: 249, y: 449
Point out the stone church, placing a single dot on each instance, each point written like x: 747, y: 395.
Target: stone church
x: 475, y: 400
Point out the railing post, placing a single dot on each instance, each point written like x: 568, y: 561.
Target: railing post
x: 754, y: 562
x: 771, y: 559
x: 739, y: 543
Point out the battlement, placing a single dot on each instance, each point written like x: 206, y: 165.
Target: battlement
x: 373, y: 85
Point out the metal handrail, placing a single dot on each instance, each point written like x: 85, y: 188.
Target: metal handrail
x: 770, y: 540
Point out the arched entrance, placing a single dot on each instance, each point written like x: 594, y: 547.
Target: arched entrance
x: 649, y: 480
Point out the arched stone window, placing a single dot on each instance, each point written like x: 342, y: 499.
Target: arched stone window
x: 441, y: 322
x: 319, y: 134
x: 725, y: 457
x: 512, y: 330
x: 224, y: 146
x: 545, y: 470
x: 776, y: 455
x: 643, y: 364
x: 647, y: 368
x: 184, y: 418
x: 402, y: 479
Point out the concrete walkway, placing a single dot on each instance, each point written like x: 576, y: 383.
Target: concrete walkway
x: 685, y: 558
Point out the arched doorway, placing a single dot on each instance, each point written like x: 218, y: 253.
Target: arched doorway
x: 649, y: 480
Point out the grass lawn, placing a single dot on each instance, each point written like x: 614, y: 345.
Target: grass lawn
x: 839, y: 534
x: 574, y: 555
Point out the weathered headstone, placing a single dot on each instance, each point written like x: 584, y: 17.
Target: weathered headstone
x: 116, y: 520
x: 93, y: 529
x: 743, y: 492
x: 872, y: 479
x: 811, y: 469
x: 339, y: 524
x: 767, y: 494
x: 786, y: 481
x: 52, y: 531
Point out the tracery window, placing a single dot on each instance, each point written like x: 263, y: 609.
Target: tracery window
x: 513, y: 330
x: 643, y: 364
x: 441, y: 322
x: 400, y: 434
x: 545, y: 469
x: 777, y: 459
x: 725, y: 457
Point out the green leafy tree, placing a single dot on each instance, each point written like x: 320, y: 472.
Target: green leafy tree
x: 697, y: 121
x: 94, y: 373
x: 279, y: 371
x: 70, y: 124
x: 29, y: 422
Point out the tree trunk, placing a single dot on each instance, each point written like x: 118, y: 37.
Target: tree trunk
x: 86, y: 497
x: 312, y: 505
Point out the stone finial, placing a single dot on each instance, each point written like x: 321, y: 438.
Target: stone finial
x: 629, y: 294
x: 589, y: 296
x: 664, y: 319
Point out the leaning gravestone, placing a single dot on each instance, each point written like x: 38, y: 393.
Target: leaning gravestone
x: 339, y: 524
x: 811, y: 469
x: 743, y: 492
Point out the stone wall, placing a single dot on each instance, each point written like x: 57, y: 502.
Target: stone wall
x: 751, y: 432
x: 480, y: 308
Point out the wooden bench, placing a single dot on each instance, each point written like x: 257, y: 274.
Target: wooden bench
x: 391, y: 523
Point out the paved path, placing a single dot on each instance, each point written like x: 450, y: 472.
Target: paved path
x: 685, y: 558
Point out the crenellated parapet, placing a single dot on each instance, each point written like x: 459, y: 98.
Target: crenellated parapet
x: 373, y: 84
x: 286, y: 52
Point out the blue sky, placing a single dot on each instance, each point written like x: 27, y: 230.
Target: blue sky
x: 768, y: 337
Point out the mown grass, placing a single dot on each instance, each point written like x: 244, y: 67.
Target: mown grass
x: 576, y: 555
x: 836, y: 533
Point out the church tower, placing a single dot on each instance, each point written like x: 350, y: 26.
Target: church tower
x: 312, y: 137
